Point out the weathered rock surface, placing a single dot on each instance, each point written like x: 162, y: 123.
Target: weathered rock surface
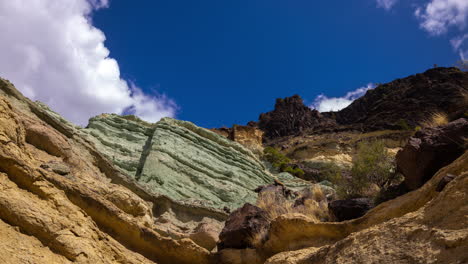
x: 243, y: 227
x: 121, y: 139
x: 350, y: 209
x: 431, y: 149
x: 192, y: 164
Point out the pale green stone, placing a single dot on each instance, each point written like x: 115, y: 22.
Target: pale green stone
x: 180, y: 160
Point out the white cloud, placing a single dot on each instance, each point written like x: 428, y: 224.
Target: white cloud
x: 325, y: 104
x: 438, y: 15
x: 460, y: 46
x: 52, y: 53
x: 386, y: 4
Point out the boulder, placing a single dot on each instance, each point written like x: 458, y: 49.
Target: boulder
x: 350, y: 208
x: 206, y: 234
x: 243, y: 227
x: 429, y: 150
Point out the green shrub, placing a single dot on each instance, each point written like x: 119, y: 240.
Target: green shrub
x: 280, y: 162
x: 403, y: 124
x: 371, y: 165
x: 276, y: 158
x: 296, y: 171
x: 330, y: 172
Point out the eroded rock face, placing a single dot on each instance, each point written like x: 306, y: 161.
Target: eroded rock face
x: 243, y: 227
x: 291, y: 117
x: 429, y: 150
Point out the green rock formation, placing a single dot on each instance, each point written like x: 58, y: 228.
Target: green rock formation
x: 180, y: 160
x: 120, y: 138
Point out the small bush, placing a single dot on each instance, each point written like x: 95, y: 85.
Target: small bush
x: 403, y: 124
x: 280, y: 162
x: 371, y: 165
x: 330, y: 172
x: 276, y: 204
x: 294, y: 171
x: 435, y: 119
x: 276, y: 158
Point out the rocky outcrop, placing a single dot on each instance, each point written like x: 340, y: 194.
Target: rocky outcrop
x: 192, y: 164
x: 244, y: 228
x: 431, y: 149
x: 350, y: 209
x: 182, y: 161
x: 291, y: 117
x: 405, y: 103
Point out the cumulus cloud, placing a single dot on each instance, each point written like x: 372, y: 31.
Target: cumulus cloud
x: 325, y: 104
x: 386, y: 4
x: 438, y: 15
x: 51, y: 52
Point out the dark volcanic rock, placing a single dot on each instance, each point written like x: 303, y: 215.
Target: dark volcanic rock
x: 444, y: 181
x: 429, y: 150
x: 350, y: 208
x: 408, y: 101
x: 243, y: 226
x: 291, y: 117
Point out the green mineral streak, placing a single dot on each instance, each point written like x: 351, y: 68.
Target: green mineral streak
x: 180, y: 160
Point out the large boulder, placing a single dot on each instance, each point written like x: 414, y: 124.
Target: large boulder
x: 429, y: 150
x: 244, y: 226
x: 350, y: 208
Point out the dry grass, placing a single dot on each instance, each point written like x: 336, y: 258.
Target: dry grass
x: 314, y: 204
x: 435, y: 119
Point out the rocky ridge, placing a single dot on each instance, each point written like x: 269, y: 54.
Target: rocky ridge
x: 401, y: 104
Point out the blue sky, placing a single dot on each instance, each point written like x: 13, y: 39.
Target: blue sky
x: 219, y: 62
x: 225, y: 62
